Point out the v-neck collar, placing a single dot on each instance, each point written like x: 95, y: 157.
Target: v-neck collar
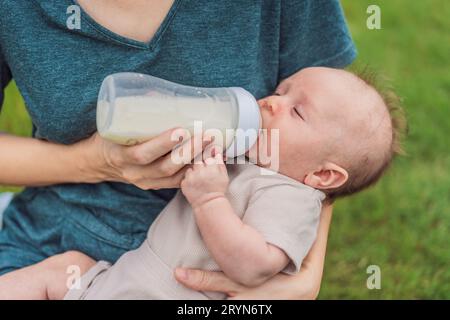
x: 58, y: 12
x: 128, y: 41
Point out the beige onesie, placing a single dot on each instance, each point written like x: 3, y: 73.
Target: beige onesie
x: 283, y: 210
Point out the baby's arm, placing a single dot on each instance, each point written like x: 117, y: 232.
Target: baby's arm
x: 240, y: 250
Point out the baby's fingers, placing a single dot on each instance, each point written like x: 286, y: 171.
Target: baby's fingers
x: 214, y: 156
x: 219, y: 158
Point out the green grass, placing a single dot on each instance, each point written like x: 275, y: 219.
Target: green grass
x: 14, y: 119
x: 401, y: 225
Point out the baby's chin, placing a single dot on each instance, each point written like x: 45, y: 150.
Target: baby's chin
x: 260, y: 154
x: 251, y: 153
x: 274, y: 163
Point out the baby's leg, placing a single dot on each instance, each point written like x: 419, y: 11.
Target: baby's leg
x: 44, y: 280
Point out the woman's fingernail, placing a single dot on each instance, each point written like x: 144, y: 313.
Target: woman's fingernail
x: 208, y: 138
x: 179, y: 134
x: 182, y: 274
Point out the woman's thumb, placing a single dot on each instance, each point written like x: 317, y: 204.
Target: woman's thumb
x: 194, y: 279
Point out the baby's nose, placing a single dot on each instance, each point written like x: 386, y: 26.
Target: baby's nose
x: 275, y: 109
x: 274, y: 105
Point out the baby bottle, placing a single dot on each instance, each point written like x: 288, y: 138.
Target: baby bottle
x: 134, y: 107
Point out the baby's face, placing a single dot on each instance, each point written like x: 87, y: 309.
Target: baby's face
x: 317, y: 112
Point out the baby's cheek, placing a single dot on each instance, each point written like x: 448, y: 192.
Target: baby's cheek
x: 288, y: 147
x: 298, y: 151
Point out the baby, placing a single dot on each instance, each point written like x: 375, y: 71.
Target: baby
x: 337, y: 135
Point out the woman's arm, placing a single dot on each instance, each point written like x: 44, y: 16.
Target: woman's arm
x: 33, y: 162
x: 304, y: 285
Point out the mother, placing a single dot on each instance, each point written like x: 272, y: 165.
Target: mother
x: 86, y: 194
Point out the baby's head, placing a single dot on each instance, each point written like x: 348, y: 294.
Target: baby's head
x: 337, y: 133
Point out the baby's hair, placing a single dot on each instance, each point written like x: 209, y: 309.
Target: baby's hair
x: 363, y: 175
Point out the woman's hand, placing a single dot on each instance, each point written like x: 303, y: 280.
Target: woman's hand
x: 149, y: 165
x: 281, y: 287
x: 304, y: 285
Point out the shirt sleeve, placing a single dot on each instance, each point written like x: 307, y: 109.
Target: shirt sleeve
x: 287, y: 217
x: 5, y: 78
x: 313, y: 33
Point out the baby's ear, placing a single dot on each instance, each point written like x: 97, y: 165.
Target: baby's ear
x: 328, y: 176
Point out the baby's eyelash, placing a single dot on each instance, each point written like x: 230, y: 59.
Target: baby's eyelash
x: 298, y: 113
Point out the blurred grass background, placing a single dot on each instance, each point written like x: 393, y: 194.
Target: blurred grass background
x: 402, y: 225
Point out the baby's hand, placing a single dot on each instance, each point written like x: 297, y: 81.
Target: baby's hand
x: 206, y: 180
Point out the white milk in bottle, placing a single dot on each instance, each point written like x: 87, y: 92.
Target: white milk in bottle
x: 133, y: 108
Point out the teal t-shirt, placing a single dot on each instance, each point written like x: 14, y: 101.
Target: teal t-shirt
x: 250, y: 44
